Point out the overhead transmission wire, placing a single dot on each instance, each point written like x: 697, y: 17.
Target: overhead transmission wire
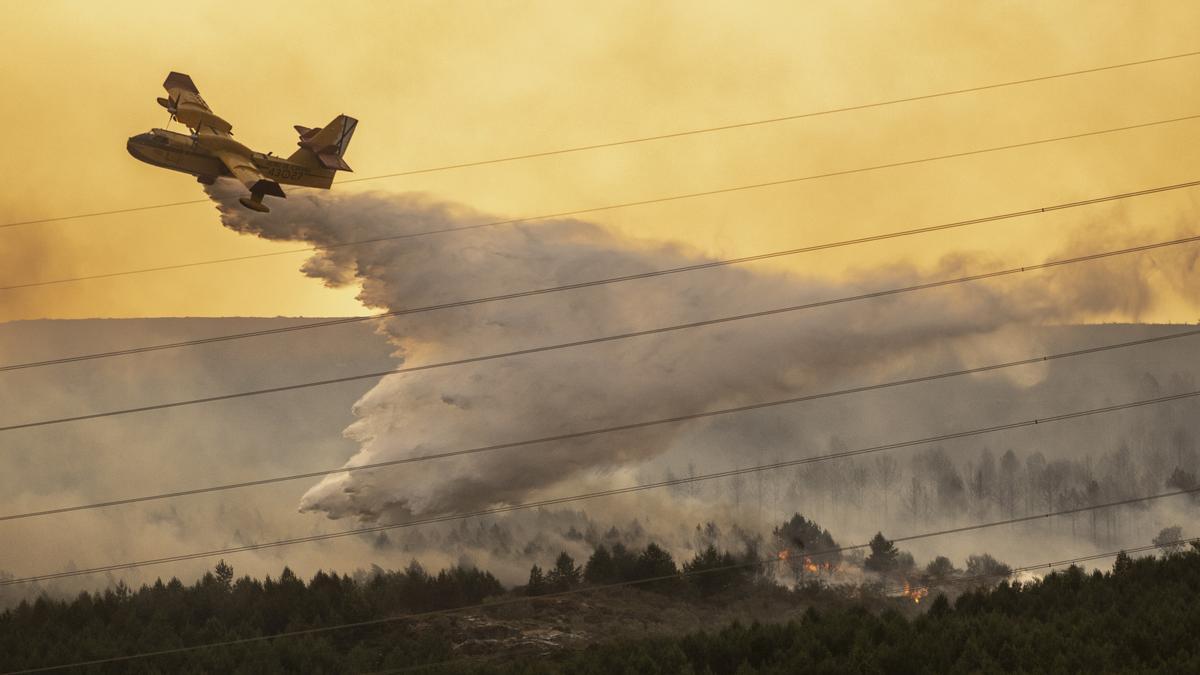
x: 608, y: 207
x: 600, y: 431
x: 698, y: 478
x: 657, y: 137
x: 608, y: 280
x: 549, y: 597
x: 708, y: 265
x: 609, y: 338
x: 648, y: 486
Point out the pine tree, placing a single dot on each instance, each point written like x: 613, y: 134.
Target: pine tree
x: 883, y: 555
x: 985, y: 566
x: 939, y: 569
x: 565, y: 575
x: 1123, y: 563
x: 624, y: 562
x: 537, y: 582
x: 655, y: 562
x: 601, y: 568
x: 224, y: 573
x: 710, y: 571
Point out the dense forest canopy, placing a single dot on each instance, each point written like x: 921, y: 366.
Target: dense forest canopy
x: 1140, y: 617
x: 837, y: 623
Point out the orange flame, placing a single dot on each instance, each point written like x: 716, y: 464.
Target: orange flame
x: 915, y: 594
x: 808, y: 564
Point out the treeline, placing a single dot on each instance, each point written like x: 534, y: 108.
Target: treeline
x: 220, y: 608
x: 803, y: 551
x: 937, y: 486
x: 1141, y: 617
x: 653, y: 568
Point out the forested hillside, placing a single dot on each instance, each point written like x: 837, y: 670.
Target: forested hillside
x: 1050, y: 467
x: 1140, y: 617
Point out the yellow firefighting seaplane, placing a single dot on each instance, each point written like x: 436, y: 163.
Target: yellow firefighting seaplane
x: 210, y: 151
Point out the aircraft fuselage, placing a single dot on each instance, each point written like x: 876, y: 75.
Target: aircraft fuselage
x: 193, y: 155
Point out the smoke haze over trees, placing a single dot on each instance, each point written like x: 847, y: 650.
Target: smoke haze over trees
x: 1124, y: 454
x: 1098, y: 461
x: 1012, y: 627
x: 633, y: 380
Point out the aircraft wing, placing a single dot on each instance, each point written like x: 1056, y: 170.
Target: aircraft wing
x: 244, y: 170
x: 186, y: 104
x: 249, y: 174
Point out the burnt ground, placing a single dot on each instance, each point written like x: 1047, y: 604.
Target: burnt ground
x: 544, y: 627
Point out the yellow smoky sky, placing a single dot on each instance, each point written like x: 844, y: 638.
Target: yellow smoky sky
x: 443, y: 82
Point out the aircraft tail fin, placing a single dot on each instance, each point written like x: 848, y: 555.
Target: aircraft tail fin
x: 324, y: 147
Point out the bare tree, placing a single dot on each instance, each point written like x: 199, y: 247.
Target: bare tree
x: 1035, y: 465
x: 859, y: 476
x: 1009, y: 465
x: 1054, y: 476
x: 1184, y: 446
x: 915, y: 499
x: 887, y: 472
x: 1169, y: 540
x: 736, y: 485
x: 982, y: 485
x: 949, y: 491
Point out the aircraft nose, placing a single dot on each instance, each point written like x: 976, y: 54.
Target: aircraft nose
x: 135, y: 143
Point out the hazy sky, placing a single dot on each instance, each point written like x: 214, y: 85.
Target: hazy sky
x: 436, y: 83
x: 443, y: 82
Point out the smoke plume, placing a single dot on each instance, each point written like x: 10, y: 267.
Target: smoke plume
x: 625, y: 381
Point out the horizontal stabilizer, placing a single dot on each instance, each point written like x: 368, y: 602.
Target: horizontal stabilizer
x: 329, y: 143
x: 332, y: 161
x: 180, y: 81
x: 322, y: 148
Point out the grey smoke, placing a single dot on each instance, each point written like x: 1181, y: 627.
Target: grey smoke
x: 626, y: 381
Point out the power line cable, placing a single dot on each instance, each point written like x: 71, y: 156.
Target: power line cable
x: 650, y: 486
x: 603, y: 430
x: 771, y: 120
x: 539, y: 598
x: 608, y: 338
x: 657, y: 137
x: 600, y: 282
x: 609, y: 207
